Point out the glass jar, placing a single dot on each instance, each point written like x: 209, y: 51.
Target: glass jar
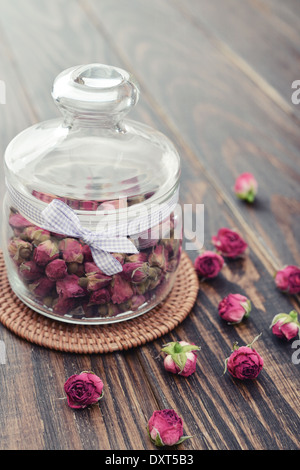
x: 92, y: 224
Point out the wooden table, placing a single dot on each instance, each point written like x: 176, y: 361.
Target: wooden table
x: 216, y: 77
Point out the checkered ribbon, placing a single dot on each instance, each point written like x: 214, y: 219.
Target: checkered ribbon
x: 58, y: 217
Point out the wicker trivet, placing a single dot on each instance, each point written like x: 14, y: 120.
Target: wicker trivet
x: 88, y: 339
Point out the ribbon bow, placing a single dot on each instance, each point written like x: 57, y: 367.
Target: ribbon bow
x: 62, y: 219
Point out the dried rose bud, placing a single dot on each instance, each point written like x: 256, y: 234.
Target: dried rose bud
x: 208, y: 264
x: 71, y: 250
x: 229, y: 243
x: 120, y: 257
x: 83, y: 389
x: 69, y: 287
x: 234, y: 308
x: 288, y: 279
x: 45, y: 252
x: 96, y: 279
x: 180, y: 358
x: 19, y: 250
x: 158, y: 257
x: 36, y: 235
x: 100, y: 296
x: 136, y: 258
x: 245, y: 187
x: 286, y: 325
x: 56, y: 269
x: 121, y: 290
x: 244, y: 362
x: 30, y: 271
x: 63, y: 305
x: 136, y: 301
x: 41, y: 287
x: 136, y: 272
x: 18, y: 221
x: 87, y: 253
x: 165, y: 428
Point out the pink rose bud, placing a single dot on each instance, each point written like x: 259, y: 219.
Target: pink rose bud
x: 137, y: 258
x: 180, y: 358
x: 244, y: 362
x: 96, y: 279
x: 286, y: 325
x: 136, y: 301
x: 45, y: 252
x: 87, y: 254
x: 136, y: 272
x: 288, y: 279
x: 100, y: 296
x: 229, y: 243
x: 246, y: 187
x: 41, y: 287
x: 18, y: 221
x: 36, y: 235
x: 234, y: 308
x: 63, y: 305
x: 208, y: 264
x: 83, y: 389
x: 19, y: 250
x: 158, y: 257
x: 121, y: 290
x: 56, y: 269
x: 71, y: 250
x: 30, y: 271
x: 165, y: 428
x: 69, y: 286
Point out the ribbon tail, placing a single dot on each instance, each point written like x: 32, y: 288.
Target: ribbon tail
x: 108, y: 264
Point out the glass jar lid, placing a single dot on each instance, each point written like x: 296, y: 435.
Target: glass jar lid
x: 93, y: 155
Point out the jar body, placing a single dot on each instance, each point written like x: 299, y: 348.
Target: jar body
x: 56, y: 275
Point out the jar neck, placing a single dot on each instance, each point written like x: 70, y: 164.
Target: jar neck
x: 105, y: 122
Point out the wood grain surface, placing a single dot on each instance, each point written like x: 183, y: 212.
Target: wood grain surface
x: 216, y: 78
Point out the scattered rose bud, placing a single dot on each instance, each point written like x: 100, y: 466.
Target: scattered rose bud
x: 288, y: 279
x: 71, y: 250
x: 20, y: 250
x: 45, y: 252
x: 234, y: 308
x: 165, y: 428
x: 121, y: 290
x: 244, y: 362
x: 158, y: 257
x: 56, y: 269
x: 246, y: 187
x: 286, y: 325
x: 229, y: 243
x: 180, y: 358
x: 83, y: 389
x: 41, y: 287
x: 30, y: 271
x: 208, y: 264
x: 69, y: 286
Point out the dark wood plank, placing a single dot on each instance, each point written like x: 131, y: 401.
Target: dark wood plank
x: 260, y: 36
x: 229, y: 124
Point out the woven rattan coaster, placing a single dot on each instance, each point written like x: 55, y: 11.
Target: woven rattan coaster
x: 88, y: 339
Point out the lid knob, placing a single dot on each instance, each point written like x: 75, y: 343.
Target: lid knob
x: 95, y: 89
